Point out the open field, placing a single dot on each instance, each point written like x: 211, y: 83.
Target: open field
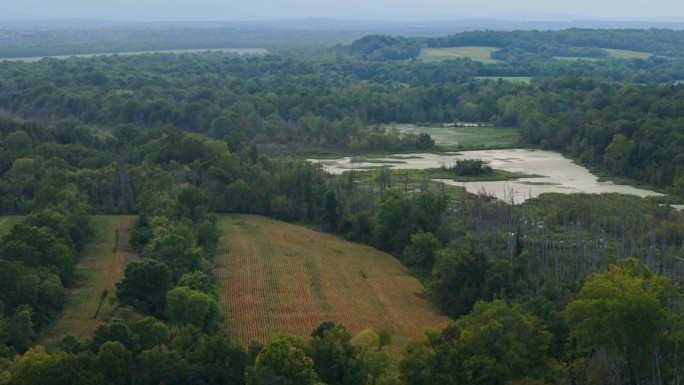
x: 612, y: 53
x: 625, y: 54
x: 482, y: 54
x: 277, y: 277
x: 101, y: 266
x: 466, y: 138
x: 241, y: 51
x: 7, y: 222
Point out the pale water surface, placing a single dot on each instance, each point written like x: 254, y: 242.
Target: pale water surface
x: 559, y: 174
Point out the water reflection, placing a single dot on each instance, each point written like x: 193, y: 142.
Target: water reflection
x: 559, y: 174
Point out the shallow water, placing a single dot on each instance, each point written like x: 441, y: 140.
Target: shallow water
x: 560, y: 175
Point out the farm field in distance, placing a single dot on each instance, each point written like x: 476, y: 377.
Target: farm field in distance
x: 278, y: 277
x: 241, y: 51
x: 101, y: 265
x: 612, y: 53
x: 482, y: 54
x: 626, y: 54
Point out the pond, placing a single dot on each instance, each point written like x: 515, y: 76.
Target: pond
x: 553, y: 172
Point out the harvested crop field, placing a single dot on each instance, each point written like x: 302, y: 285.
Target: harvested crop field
x: 100, y: 267
x: 277, y: 277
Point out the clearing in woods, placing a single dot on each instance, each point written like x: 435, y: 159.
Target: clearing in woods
x: 482, y: 54
x: 101, y: 265
x: 277, y: 277
x: 465, y: 138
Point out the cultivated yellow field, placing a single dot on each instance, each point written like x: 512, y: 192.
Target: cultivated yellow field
x: 101, y: 266
x: 277, y: 277
x: 482, y: 54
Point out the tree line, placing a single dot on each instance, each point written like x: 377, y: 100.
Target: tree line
x: 281, y: 103
x: 497, y: 342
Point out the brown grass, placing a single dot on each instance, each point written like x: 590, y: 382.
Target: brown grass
x: 277, y: 277
x: 98, y: 270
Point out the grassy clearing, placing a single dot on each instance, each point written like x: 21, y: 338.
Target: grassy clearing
x: 241, y: 51
x: 277, y: 277
x: 482, y: 54
x: 6, y: 224
x: 467, y: 138
x: 101, y: 266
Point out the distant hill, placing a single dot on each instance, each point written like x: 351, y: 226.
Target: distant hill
x: 39, y: 38
x: 425, y: 28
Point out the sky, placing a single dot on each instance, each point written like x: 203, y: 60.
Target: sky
x: 194, y: 10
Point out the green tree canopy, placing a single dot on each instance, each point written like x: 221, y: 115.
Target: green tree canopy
x: 624, y: 318
x: 188, y: 306
x: 144, y: 286
x: 496, y: 344
x: 282, y: 361
x: 335, y: 359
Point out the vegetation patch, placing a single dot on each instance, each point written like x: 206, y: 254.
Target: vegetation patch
x: 377, y: 160
x: 576, y: 58
x: 512, y: 79
x: 403, y: 157
x: 7, y: 222
x: 494, y: 175
x: 276, y: 277
x: 469, y: 167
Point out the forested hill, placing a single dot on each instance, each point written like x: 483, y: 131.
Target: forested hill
x: 274, y: 101
x: 529, y: 44
x: 663, y: 42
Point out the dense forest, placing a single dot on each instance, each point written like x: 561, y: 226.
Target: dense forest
x: 606, y: 124
x: 577, y: 289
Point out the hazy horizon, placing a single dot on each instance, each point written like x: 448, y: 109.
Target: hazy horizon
x: 394, y: 10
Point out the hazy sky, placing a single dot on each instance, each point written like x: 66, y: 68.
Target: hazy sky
x: 150, y: 10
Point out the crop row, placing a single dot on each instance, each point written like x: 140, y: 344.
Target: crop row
x: 275, y: 277
x: 90, y: 300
